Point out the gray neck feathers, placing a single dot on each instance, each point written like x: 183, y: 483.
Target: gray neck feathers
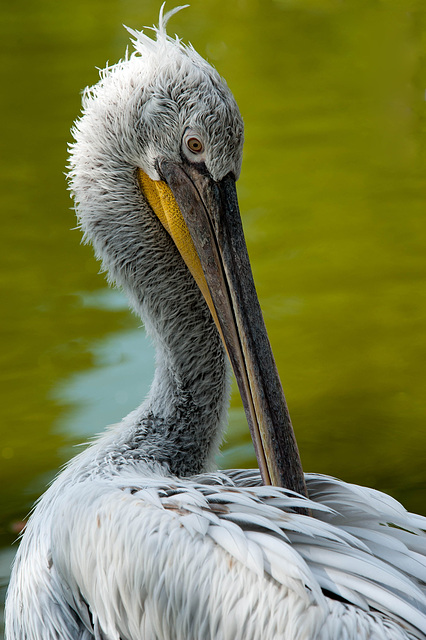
x: 180, y: 424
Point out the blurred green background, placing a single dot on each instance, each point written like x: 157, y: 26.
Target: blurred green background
x: 332, y: 195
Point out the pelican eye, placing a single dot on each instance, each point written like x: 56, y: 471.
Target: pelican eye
x: 194, y: 144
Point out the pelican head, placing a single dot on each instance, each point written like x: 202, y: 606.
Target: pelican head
x: 157, y: 153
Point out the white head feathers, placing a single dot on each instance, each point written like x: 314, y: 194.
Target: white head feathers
x: 142, y: 106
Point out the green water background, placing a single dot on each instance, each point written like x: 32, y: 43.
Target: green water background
x: 332, y: 195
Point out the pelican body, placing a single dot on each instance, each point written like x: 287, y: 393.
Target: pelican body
x: 139, y: 538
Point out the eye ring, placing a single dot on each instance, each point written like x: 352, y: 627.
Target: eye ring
x: 194, y: 144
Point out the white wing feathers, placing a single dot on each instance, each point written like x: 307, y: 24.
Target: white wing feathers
x: 360, y: 545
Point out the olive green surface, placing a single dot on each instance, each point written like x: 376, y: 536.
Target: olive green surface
x: 332, y: 195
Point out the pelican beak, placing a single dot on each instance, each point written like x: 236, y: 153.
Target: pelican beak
x: 218, y: 259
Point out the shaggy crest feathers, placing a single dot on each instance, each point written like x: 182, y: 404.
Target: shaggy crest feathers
x: 143, y: 41
x: 162, y: 50
x: 164, y: 46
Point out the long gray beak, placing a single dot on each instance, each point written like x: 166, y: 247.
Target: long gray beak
x: 210, y: 210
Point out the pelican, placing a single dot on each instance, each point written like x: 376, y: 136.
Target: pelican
x: 139, y: 538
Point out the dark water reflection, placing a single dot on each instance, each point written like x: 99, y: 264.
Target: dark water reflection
x: 332, y: 195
